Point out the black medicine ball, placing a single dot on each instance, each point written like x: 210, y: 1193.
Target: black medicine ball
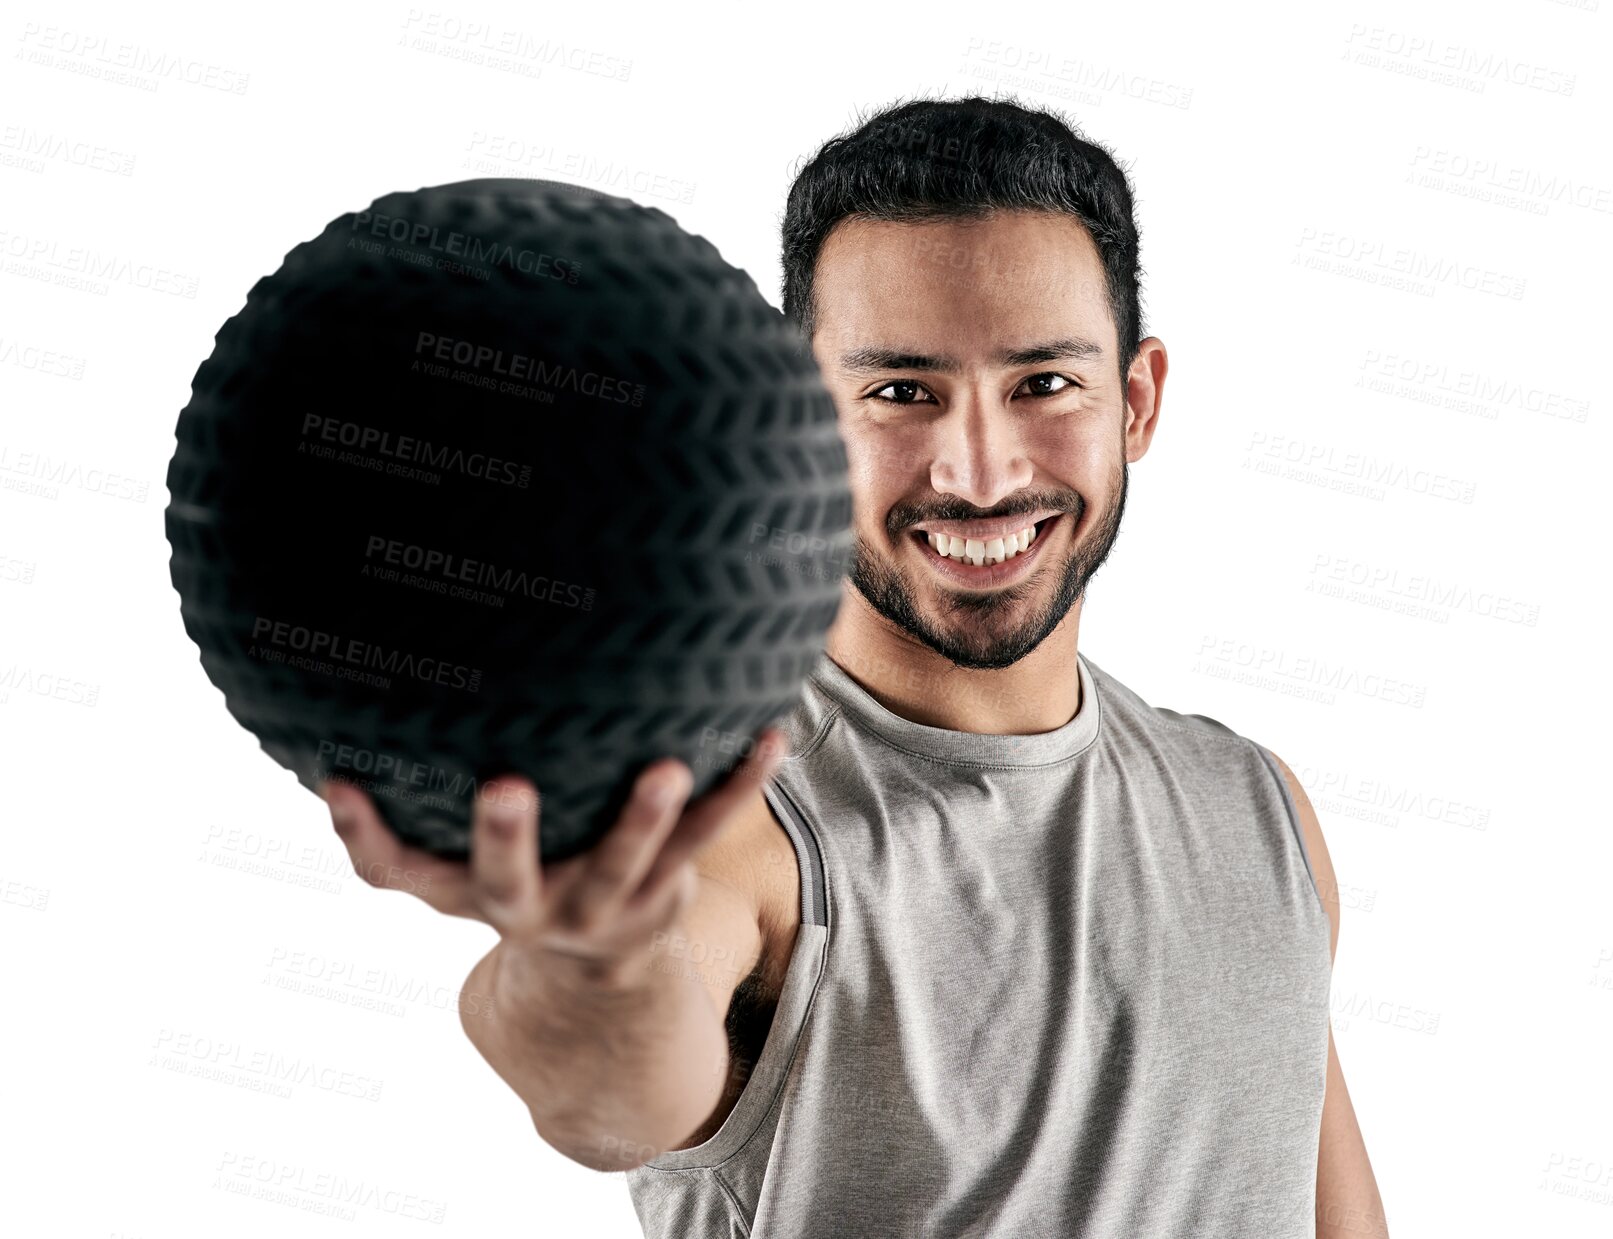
x: 507, y: 476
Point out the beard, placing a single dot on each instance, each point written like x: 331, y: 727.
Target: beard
x: 991, y: 629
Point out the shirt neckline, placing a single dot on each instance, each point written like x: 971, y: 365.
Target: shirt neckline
x: 963, y: 747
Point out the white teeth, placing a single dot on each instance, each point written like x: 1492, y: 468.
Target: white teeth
x: 981, y: 551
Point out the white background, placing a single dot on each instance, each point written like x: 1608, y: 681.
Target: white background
x: 1370, y: 535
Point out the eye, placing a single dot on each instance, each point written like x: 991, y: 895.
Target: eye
x: 1045, y: 378
x: 908, y: 389
x: 908, y: 385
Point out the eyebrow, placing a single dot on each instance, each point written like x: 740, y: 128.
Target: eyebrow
x: 870, y: 359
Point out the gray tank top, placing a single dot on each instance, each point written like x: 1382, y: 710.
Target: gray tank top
x: 1065, y: 984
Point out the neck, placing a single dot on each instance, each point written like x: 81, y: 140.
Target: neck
x: 1041, y: 692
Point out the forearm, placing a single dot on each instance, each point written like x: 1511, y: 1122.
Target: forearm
x: 604, y: 1070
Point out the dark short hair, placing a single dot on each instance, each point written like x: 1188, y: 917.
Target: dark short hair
x: 961, y: 159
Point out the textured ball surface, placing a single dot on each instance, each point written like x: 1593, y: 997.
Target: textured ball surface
x: 507, y: 476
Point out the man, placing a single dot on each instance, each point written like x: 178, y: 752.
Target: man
x: 1003, y: 950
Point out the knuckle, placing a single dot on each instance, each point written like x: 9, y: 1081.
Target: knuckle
x: 637, y: 817
x: 500, y: 890
x: 499, y: 860
x: 640, y: 824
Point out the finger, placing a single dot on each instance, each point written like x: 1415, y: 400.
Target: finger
x: 706, y: 818
x: 615, y: 866
x: 382, y: 860
x: 504, y: 859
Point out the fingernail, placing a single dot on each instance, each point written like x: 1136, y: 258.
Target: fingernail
x: 505, y: 806
x: 660, y: 790
x: 503, y: 818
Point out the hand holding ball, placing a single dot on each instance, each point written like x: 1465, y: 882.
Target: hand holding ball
x: 507, y: 476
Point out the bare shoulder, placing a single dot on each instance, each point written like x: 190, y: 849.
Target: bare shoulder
x: 1315, y: 846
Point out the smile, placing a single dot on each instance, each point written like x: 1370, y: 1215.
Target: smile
x: 981, y: 550
x: 985, y: 562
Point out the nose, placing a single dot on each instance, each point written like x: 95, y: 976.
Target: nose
x: 978, y: 454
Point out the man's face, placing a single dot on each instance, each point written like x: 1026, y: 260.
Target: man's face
x: 948, y: 432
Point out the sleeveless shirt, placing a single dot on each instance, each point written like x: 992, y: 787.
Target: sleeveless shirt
x: 1072, y: 983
